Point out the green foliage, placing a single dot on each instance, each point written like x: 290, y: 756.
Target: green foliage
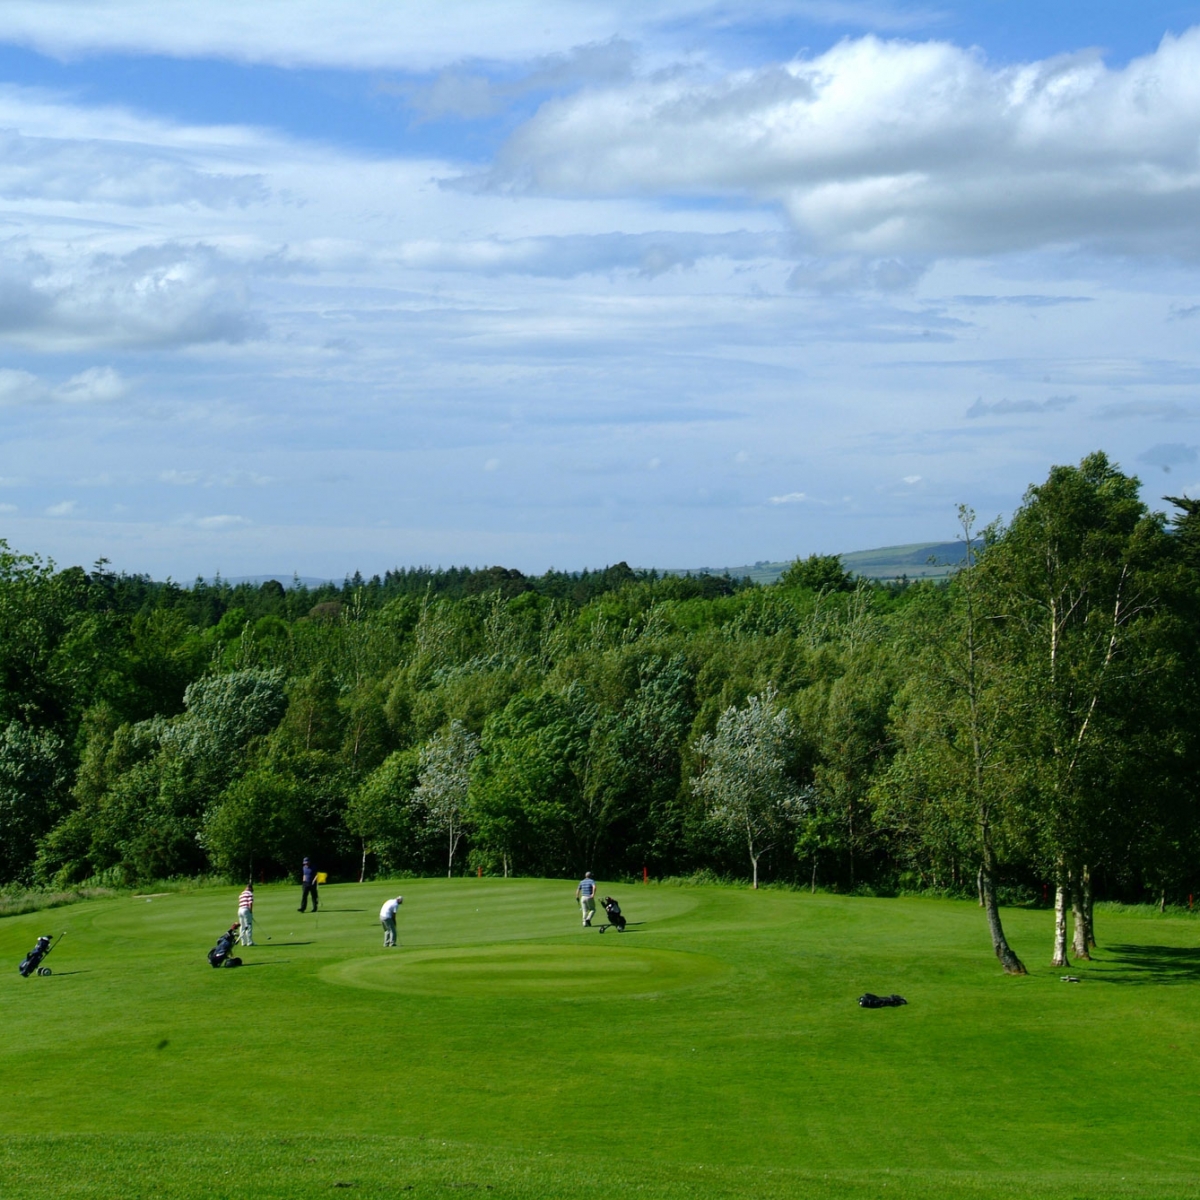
x: 817, y: 573
x: 34, y: 783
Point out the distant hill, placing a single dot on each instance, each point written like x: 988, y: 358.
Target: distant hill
x: 918, y: 560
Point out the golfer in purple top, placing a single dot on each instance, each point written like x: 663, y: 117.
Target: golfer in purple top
x: 308, y: 885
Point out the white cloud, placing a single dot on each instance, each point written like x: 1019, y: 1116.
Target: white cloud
x: 96, y: 385
x: 154, y: 295
x: 19, y: 387
x: 96, y: 171
x: 470, y: 94
x: 885, y: 148
x: 564, y: 257
x: 790, y: 498
x: 63, y: 509
x: 221, y: 521
x: 911, y: 479
x: 1002, y: 408
x: 8, y: 508
x: 418, y: 34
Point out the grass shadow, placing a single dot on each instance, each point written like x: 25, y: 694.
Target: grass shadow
x: 278, y: 945
x: 1152, y: 964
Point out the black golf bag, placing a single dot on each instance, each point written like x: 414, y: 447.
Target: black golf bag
x: 32, y: 961
x: 221, y: 955
x: 870, y: 1000
x: 613, y: 909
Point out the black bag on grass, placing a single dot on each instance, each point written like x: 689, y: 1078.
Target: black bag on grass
x: 870, y: 1000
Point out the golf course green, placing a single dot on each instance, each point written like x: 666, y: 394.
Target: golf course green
x: 714, y: 1049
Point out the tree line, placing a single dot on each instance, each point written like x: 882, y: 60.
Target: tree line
x: 1024, y: 731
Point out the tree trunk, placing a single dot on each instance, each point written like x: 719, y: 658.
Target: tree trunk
x: 1079, y: 913
x: 1089, y: 907
x: 1060, y: 923
x: 754, y: 868
x: 813, y: 889
x: 1004, y: 952
x: 362, y: 871
x: 979, y: 888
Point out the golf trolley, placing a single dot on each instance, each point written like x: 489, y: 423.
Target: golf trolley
x: 613, y: 911
x: 31, y: 964
x: 221, y: 955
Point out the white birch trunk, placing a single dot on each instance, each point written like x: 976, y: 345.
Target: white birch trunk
x: 1060, y: 926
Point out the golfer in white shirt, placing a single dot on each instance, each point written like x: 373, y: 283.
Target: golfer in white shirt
x: 387, y: 918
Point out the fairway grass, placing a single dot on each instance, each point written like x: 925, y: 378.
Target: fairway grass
x: 714, y: 1049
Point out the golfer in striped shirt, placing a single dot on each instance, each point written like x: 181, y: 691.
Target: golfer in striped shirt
x: 246, y: 916
x: 585, y: 893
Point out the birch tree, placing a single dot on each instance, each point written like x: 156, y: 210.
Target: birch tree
x: 960, y: 783
x: 443, y: 783
x: 1075, y: 569
x: 745, y: 782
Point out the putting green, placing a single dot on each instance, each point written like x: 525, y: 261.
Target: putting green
x: 531, y: 971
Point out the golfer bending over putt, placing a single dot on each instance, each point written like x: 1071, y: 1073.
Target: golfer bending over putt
x: 585, y: 893
x: 387, y: 918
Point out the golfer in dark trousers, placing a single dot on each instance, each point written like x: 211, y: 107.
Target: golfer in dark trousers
x: 308, y: 885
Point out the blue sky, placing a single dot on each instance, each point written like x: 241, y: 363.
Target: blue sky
x: 310, y: 287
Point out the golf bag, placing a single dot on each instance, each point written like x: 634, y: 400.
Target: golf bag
x: 613, y: 909
x: 870, y: 1000
x: 221, y: 955
x: 32, y: 961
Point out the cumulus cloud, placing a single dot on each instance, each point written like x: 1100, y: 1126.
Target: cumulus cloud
x: 884, y: 148
x: 63, y: 509
x: 789, y: 498
x: 155, y: 295
x: 1005, y: 408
